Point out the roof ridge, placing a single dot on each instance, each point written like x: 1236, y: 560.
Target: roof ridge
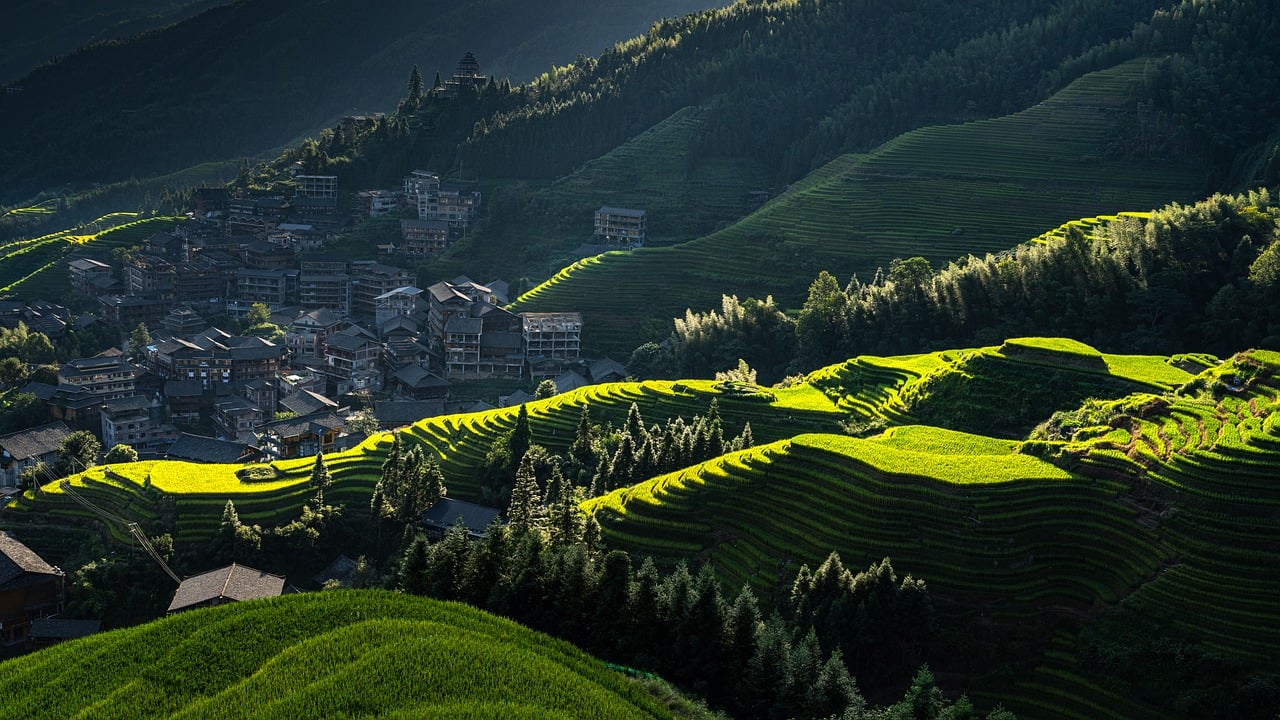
x: 231, y: 570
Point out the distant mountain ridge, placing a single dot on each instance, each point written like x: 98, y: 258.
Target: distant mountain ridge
x: 252, y: 75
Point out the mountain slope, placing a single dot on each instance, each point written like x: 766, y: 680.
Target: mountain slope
x: 331, y: 654
x: 1137, y: 541
x: 245, y: 77
x: 940, y: 192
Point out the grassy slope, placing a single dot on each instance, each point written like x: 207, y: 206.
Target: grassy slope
x: 1170, y: 509
x: 34, y: 267
x: 333, y: 654
x: 999, y: 181
x: 648, y: 171
x: 133, y: 490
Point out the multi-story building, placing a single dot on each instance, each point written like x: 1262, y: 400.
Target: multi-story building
x: 316, y: 186
x: 352, y: 360
x: 620, y: 226
x: 454, y: 207
x: 398, y: 302
x: 128, y: 311
x: 150, y: 276
x: 262, y: 255
x: 424, y: 237
x: 376, y: 203
x: 325, y: 283
x: 552, y: 341
x: 107, y: 377
x: 372, y: 279
x: 307, y: 333
x: 137, y: 421
x: 419, y: 183
x: 276, y: 287
x: 84, y: 272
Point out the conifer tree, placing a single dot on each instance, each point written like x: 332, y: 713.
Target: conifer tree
x: 525, y: 513
x: 320, y: 479
x: 413, y: 569
x: 415, y: 84
x: 521, y: 436
x: 582, y: 451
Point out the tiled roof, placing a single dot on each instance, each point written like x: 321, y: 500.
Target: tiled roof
x: 405, y: 412
x: 446, y: 512
x: 198, y: 448
x: 234, y: 582
x: 17, y: 560
x: 35, y: 442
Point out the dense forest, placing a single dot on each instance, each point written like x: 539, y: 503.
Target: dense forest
x: 246, y: 77
x: 1204, y: 276
x: 795, y: 84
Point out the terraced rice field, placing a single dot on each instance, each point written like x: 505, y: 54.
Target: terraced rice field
x: 1172, y: 510
x: 35, y: 265
x: 1007, y: 388
x: 940, y: 192
x: 649, y: 171
x: 332, y: 654
x: 134, y: 490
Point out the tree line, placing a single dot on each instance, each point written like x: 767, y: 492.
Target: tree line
x: 1203, y: 277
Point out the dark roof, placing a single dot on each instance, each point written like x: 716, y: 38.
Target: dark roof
x: 606, y: 367
x: 416, y: 376
x: 343, y: 341
x: 626, y: 212
x: 44, y: 391
x: 305, y: 402
x: 341, y: 569
x: 468, y: 326
x: 502, y: 341
x: 17, y: 560
x: 35, y: 442
x: 291, y: 427
x: 256, y: 352
x: 198, y: 448
x: 64, y: 629
x: 446, y: 513
x: 518, y: 397
x: 406, y: 412
x: 234, y: 582
x: 570, y: 380
x: 182, y: 388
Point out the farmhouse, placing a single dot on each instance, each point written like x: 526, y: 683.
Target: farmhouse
x: 447, y: 512
x: 234, y: 583
x: 30, y: 588
x: 21, y: 450
x: 624, y: 227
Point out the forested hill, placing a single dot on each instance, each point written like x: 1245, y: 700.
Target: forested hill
x: 36, y: 31
x: 251, y: 75
x: 793, y: 84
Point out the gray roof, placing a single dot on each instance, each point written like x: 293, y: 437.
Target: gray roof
x: 64, y: 629
x: 291, y: 427
x: 343, y: 341
x: 234, y: 582
x: 198, y: 448
x: 417, y: 376
x: 17, y: 560
x: 628, y: 212
x: 35, y: 442
x: 406, y: 412
x: 604, y: 367
x: 446, y: 512
x: 44, y: 391
x: 406, y: 290
x: 182, y: 388
x: 570, y: 380
x: 468, y: 326
x: 305, y: 402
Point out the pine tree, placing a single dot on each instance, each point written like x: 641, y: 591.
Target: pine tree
x: 521, y: 436
x: 433, y: 480
x: 582, y: 451
x: 413, y: 569
x: 635, y: 426
x: 415, y: 84
x: 525, y: 513
x: 320, y: 479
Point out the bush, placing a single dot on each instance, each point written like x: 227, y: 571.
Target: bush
x: 258, y: 473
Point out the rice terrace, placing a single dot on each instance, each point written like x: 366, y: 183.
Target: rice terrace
x: 673, y: 359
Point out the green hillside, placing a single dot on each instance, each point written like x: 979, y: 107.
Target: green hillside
x: 322, y: 655
x: 134, y: 491
x: 34, y: 267
x: 941, y: 192
x: 651, y: 170
x: 1163, y: 503
x: 963, y: 389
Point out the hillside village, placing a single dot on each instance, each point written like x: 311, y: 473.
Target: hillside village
x: 323, y: 339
